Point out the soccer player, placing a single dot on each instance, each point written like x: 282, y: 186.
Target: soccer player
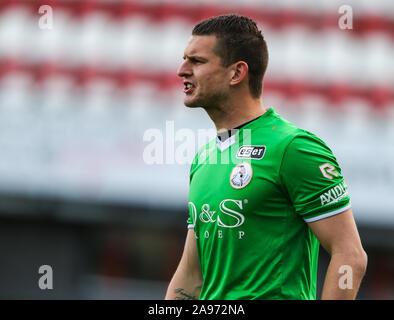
x: 263, y: 196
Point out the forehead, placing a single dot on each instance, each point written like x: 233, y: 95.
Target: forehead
x: 201, y: 46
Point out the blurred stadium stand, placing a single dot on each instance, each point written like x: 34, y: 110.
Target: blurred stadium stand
x: 76, y: 100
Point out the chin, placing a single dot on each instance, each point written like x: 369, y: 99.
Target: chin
x: 192, y: 106
x: 192, y: 103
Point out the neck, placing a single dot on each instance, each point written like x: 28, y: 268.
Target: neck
x: 232, y: 114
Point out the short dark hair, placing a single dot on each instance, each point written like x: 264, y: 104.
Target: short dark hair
x: 239, y: 38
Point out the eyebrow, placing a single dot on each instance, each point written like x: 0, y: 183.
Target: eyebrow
x: 194, y: 57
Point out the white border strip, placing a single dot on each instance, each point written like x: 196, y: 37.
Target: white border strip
x: 225, y: 144
x: 190, y: 226
x: 329, y: 214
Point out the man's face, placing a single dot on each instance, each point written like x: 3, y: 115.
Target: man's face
x: 206, y: 81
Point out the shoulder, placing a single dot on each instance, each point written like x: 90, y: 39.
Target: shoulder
x: 308, y: 143
x: 279, y: 134
x: 290, y: 142
x: 276, y: 127
x: 293, y: 136
x: 307, y: 154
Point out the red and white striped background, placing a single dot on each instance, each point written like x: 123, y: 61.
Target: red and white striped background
x: 132, y: 42
x: 76, y: 100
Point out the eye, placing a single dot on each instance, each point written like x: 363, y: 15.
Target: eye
x: 195, y: 61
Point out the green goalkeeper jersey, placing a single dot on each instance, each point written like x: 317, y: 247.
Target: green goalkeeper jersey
x: 251, y: 197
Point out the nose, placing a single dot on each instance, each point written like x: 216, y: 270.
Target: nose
x: 184, y: 69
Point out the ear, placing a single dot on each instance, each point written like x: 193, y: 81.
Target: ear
x: 239, y: 71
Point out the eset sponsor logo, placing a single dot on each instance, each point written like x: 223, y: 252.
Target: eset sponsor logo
x: 251, y: 152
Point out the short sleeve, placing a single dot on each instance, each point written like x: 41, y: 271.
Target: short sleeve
x: 312, y: 179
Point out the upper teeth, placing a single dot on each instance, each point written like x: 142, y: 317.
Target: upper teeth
x: 188, y: 85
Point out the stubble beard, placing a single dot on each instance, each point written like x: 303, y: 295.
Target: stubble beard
x: 211, y: 101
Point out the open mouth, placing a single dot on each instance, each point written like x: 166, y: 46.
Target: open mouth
x: 188, y: 87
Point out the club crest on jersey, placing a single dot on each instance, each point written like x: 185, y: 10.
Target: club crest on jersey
x: 251, y: 152
x: 241, y: 175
